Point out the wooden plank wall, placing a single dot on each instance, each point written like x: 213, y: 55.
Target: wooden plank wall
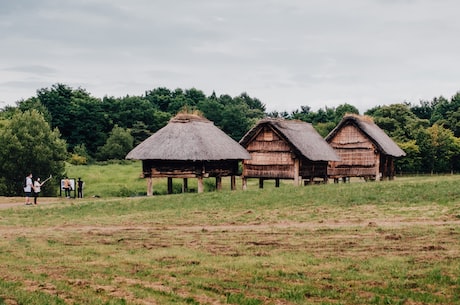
x: 357, y: 153
x: 271, y: 157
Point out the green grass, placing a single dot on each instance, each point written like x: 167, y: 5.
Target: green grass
x: 393, y: 242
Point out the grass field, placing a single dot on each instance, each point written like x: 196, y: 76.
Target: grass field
x: 395, y: 242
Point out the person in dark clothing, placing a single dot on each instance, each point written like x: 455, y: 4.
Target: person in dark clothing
x: 80, y: 185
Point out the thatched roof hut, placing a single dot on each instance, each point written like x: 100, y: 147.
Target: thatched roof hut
x: 189, y: 146
x: 283, y: 149
x: 364, y: 148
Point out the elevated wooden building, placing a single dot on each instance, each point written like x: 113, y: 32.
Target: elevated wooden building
x: 189, y: 146
x: 282, y: 149
x: 365, y: 150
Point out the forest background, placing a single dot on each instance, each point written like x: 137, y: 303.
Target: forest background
x: 63, y: 124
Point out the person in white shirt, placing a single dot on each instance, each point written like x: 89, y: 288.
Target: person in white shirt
x: 37, y: 189
x: 28, y: 188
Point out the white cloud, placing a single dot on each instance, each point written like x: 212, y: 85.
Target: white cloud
x: 286, y: 53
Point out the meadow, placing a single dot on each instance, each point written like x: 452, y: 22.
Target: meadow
x: 389, y: 242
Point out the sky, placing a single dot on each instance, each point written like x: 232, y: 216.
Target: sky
x: 286, y: 53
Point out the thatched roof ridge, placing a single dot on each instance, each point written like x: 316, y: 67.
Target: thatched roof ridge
x: 301, y: 135
x: 189, y: 137
x: 375, y: 134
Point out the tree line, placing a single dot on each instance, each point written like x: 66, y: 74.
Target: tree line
x: 63, y: 124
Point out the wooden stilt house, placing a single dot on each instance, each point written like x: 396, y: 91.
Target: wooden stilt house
x: 189, y: 146
x: 365, y: 150
x: 282, y: 149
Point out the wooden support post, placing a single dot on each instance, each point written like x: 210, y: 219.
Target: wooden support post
x: 200, y: 185
x: 377, y: 167
x: 219, y: 183
x: 185, y: 186
x: 149, y: 186
x: 277, y: 182
x: 296, y: 172
x: 261, y: 183
x: 233, y: 183
x: 245, y: 183
x: 391, y: 169
x: 170, y: 185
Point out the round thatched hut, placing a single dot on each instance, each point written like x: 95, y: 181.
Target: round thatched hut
x: 189, y: 146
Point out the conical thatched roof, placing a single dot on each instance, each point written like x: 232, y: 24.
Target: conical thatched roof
x: 301, y: 135
x: 384, y: 143
x: 189, y: 137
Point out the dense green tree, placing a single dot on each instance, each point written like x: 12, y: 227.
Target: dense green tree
x: 80, y: 155
x: 438, y: 148
x: 89, y: 123
x: 324, y: 128
x: 343, y: 109
x: 397, y: 121
x: 140, y: 132
x: 160, y: 97
x: 447, y: 113
x: 424, y: 110
x: 80, y: 118
x: 234, y: 123
x: 29, y: 145
x: 212, y: 109
x: 412, y: 162
x: 130, y: 110
x: 119, y: 143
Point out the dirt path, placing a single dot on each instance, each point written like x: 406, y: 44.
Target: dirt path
x: 10, y: 202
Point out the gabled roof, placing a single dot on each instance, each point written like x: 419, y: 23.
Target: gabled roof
x: 301, y: 135
x: 383, y: 142
x: 189, y: 137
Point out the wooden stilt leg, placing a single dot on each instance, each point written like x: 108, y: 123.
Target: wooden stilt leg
x: 200, y: 185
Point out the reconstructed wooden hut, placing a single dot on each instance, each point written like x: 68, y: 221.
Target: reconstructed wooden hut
x: 189, y: 146
x: 282, y: 149
x: 365, y: 150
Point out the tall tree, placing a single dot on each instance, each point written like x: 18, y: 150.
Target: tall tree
x: 397, y: 121
x: 438, y: 148
x: 29, y: 145
x: 119, y: 143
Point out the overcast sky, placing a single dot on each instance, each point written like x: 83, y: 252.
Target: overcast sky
x: 287, y: 53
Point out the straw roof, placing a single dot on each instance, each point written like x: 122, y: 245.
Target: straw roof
x: 301, y: 135
x: 189, y: 137
x: 384, y: 143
